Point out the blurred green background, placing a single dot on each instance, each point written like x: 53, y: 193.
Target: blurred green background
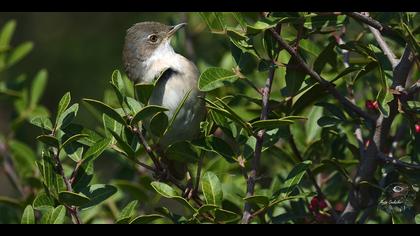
x: 80, y: 50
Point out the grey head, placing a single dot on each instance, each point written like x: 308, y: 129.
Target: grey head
x: 142, y: 41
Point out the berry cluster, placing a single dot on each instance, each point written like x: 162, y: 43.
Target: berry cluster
x: 317, y: 207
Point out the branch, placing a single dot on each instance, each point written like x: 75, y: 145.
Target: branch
x: 251, y: 178
x: 74, y: 212
x: 415, y: 88
x: 148, y: 149
x: 398, y: 163
x: 330, y: 87
x: 360, y: 196
x: 371, y: 22
x: 384, y: 46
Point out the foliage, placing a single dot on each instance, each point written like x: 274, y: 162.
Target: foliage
x: 306, y: 140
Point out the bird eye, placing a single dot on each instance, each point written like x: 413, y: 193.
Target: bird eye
x: 153, y: 38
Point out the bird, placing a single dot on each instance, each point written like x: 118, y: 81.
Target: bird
x: 148, y: 55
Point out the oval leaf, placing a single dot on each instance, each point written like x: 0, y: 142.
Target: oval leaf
x: 212, y: 189
x: 104, y: 108
x: 72, y: 199
x: 147, y: 112
x: 146, y: 219
x: 28, y: 216
x: 214, y: 78
x: 58, y: 215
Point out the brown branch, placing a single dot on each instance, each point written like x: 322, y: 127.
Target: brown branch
x: 398, y: 163
x: 74, y: 212
x: 384, y: 29
x: 147, y: 148
x: 252, y: 175
x: 360, y: 196
x: 384, y: 46
x: 330, y: 87
x: 415, y: 88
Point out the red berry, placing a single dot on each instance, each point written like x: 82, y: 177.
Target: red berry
x: 322, y: 204
x: 417, y: 127
x: 372, y: 105
x: 315, y: 202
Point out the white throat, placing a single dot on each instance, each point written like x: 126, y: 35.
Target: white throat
x: 163, y: 57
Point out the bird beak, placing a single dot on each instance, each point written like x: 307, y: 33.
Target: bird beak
x: 175, y: 28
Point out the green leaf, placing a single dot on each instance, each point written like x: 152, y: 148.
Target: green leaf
x: 175, y: 114
x: 28, y: 216
x: 258, y: 199
x: 42, y: 122
x: 214, y: 78
x: 207, y: 208
x: 144, y: 91
x: 294, y: 77
x: 417, y: 219
x: 270, y: 124
x: 328, y: 121
x: 214, y: 21
x: 158, y: 124
x: 335, y: 110
x: 23, y: 157
x: 102, y: 107
x: 118, y: 85
x: 73, y: 199
x: 146, y: 219
x: 212, y: 189
x: 127, y: 213
x: 10, y: 202
x: 58, y: 215
x: 146, y: 112
x: 72, y: 139
x: 38, y: 87
x: 182, y: 152
x: 19, y: 53
x: 46, y: 214
x: 168, y: 192
x: 133, y: 104
x: 220, y: 146
x: 312, y: 128
x: 48, y: 140
x: 98, y: 193
x: 7, y: 33
x: 67, y: 116
x: 42, y: 200
x: 295, y: 176
x: 328, y: 55
x: 62, y: 106
x: 124, y: 145
x: 94, y: 151
x: 164, y: 189
x: 225, y: 216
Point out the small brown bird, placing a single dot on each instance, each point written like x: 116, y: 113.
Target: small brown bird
x: 147, y: 54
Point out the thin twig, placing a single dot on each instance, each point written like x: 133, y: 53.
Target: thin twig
x: 74, y: 212
x: 384, y: 46
x: 415, y: 88
x: 252, y: 175
x: 398, y: 163
x: 148, y: 149
x: 330, y: 87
